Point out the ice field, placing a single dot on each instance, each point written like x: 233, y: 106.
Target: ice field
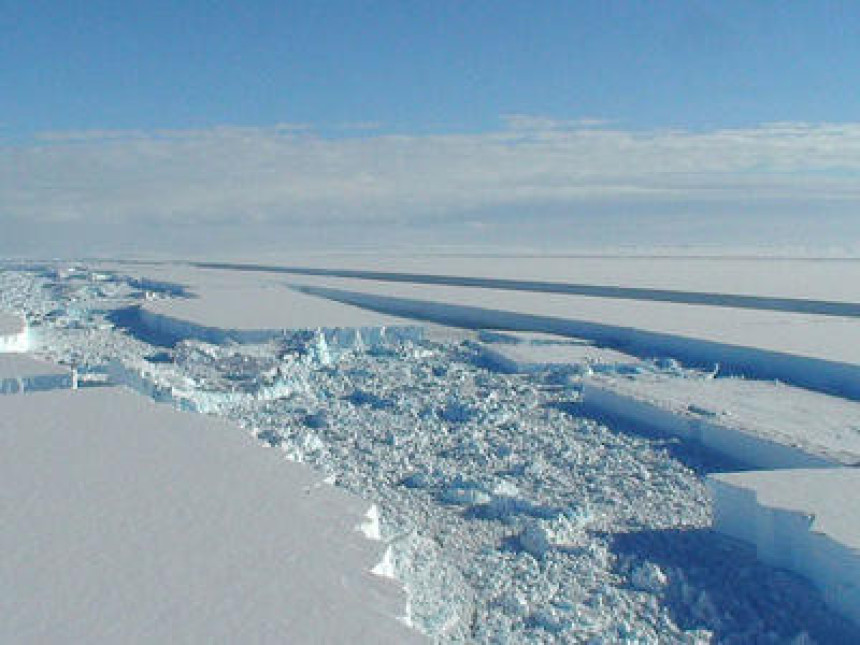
x: 13, y: 333
x: 125, y: 521
x: 547, y: 466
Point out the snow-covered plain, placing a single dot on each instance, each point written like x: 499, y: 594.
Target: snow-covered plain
x: 757, y: 298
x: 806, y: 278
x: 761, y: 344
x: 509, y: 514
x: 13, y: 333
x: 760, y: 424
x: 21, y: 373
x: 124, y: 521
x: 226, y: 305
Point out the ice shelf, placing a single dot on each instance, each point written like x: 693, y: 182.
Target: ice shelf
x: 14, y: 336
x: 26, y: 374
x: 761, y: 276
x: 527, y: 352
x: 732, y: 300
x: 228, y: 309
x: 815, y: 352
x: 807, y: 521
x: 820, y: 352
x: 127, y: 521
x: 829, y: 338
x: 759, y: 424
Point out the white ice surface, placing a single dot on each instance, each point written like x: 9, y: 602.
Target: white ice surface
x: 828, y: 338
x: 524, y: 352
x: 422, y: 427
x: 246, y: 308
x: 9, y: 324
x: 20, y: 373
x: 819, y: 352
x: 13, y: 333
x: 722, y: 412
x: 807, y: 521
x: 809, y: 278
x: 125, y: 521
x: 17, y: 365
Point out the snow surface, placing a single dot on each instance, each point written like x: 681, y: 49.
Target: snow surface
x: 255, y: 313
x: 821, y: 352
x: 222, y: 305
x: 9, y: 324
x: 13, y: 333
x: 19, y: 373
x: 817, y: 352
x: 794, y: 427
x: 529, y: 352
x: 611, y: 291
x: 507, y: 512
x: 807, y: 521
x: 828, y: 338
x: 806, y: 278
x: 124, y: 521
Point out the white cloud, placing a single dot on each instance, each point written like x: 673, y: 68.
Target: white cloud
x: 535, y: 122
x: 288, y: 175
x: 85, y: 136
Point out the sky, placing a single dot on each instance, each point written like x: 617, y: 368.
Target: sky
x: 281, y: 125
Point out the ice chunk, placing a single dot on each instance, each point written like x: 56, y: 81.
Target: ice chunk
x: 534, y: 539
x: 370, y: 527
x: 648, y: 577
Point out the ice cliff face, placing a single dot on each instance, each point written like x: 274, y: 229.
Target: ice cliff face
x: 800, y: 520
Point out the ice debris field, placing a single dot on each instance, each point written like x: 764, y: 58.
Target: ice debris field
x: 502, y: 457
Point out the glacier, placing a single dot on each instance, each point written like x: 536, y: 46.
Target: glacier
x: 505, y: 508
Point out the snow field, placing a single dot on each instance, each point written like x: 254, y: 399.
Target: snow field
x: 763, y: 345
x: 761, y: 302
x: 25, y: 374
x: 508, y: 514
x: 692, y: 423
x: 14, y: 336
x: 126, y: 521
x: 220, y: 306
x: 241, y: 305
x: 800, y: 278
x: 818, y: 424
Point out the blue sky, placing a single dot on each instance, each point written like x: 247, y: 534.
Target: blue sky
x: 439, y: 65
x: 470, y: 122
